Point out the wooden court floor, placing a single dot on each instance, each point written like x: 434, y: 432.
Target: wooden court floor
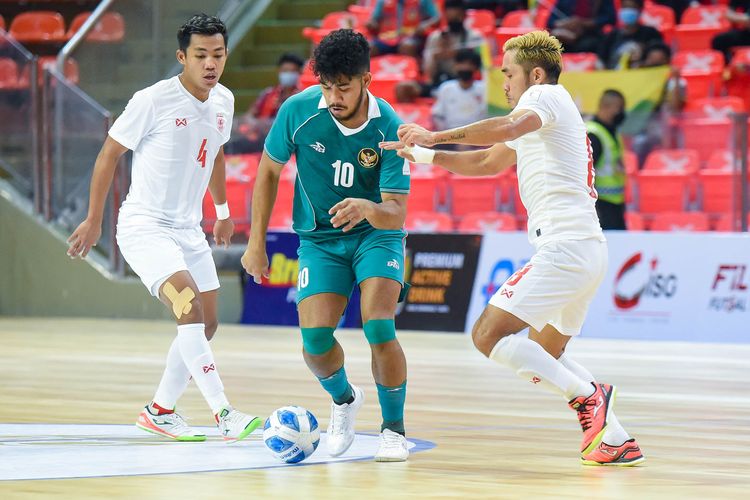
x: 495, y: 435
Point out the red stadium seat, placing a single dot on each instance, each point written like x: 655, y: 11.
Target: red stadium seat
x: 420, y: 114
x: 238, y: 199
x: 630, y: 161
x: 473, y: 194
x: 699, y: 25
x: 110, y: 28
x: 726, y: 222
x: 680, y: 221
x: 281, y: 216
x: 673, y: 160
x: 482, y: 21
x: 388, y: 71
x: 719, y: 190
x: 715, y: 107
x: 510, y: 196
x: 662, y: 191
x: 8, y: 74
x: 331, y: 22
x: 241, y: 167
x: 71, y: 70
x: 428, y: 222
x: 503, y: 34
x: 362, y: 13
x: 482, y: 222
x: 38, y: 27
x: 660, y: 17
x: 424, y: 195
x: 634, y: 221
x: 581, y: 61
x: 702, y: 70
x: 739, y: 81
x: 518, y: 19
x: 721, y: 159
x: 706, y: 135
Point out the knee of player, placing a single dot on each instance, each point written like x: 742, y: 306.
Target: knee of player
x: 482, y: 337
x: 185, y: 304
x: 380, y: 334
x: 317, y: 341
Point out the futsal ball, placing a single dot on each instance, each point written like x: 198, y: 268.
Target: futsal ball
x: 291, y: 434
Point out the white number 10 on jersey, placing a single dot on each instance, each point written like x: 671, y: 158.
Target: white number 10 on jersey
x: 343, y: 174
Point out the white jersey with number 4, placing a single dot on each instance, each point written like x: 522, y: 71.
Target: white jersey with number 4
x: 175, y: 139
x: 556, y: 169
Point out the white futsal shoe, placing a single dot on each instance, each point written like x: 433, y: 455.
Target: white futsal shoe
x: 341, y: 426
x: 235, y: 425
x: 169, y: 425
x: 393, y: 447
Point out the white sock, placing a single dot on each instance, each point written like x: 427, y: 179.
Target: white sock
x: 532, y: 362
x: 614, y: 434
x: 197, y: 356
x: 175, y: 379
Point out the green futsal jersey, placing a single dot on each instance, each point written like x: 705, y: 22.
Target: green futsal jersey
x: 335, y: 162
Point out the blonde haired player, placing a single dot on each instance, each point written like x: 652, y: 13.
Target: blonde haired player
x: 176, y: 129
x: 546, y: 137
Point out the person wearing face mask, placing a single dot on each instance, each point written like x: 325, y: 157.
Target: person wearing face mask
x: 607, y: 153
x: 440, y: 51
x: 461, y: 101
x: 271, y: 99
x: 624, y: 46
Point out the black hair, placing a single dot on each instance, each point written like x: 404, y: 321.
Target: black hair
x: 454, y: 4
x: 658, y: 46
x: 613, y: 93
x: 639, y: 4
x: 200, y: 24
x: 342, y: 52
x: 288, y: 57
x: 468, y: 55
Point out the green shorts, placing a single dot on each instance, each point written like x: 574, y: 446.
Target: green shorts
x: 336, y: 265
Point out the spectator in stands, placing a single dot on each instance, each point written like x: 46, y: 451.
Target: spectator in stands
x: 661, y: 131
x: 624, y: 46
x: 270, y: 100
x: 400, y: 26
x: 461, y: 101
x: 739, y: 15
x: 442, y: 45
x: 607, y: 151
x: 578, y: 24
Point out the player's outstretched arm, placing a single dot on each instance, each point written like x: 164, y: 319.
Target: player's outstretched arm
x: 389, y: 214
x: 217, y: 186
x: 255, y: 259
x: 88, y: 232
x: 489, y: 161
x: 481, y: 133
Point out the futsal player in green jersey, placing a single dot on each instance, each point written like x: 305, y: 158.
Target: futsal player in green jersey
x: 349, y: 210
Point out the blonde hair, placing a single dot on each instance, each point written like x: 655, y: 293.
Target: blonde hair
x: 537, y: 49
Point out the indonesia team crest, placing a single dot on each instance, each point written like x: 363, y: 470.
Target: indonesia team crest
x: 367, y: 157
x: 220, y: 122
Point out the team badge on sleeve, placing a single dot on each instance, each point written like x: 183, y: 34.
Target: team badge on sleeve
x: 220, y: 122
x: 367, y: 157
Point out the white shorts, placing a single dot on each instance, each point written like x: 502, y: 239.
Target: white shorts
x: 156, y: 253
x: 556, y: 286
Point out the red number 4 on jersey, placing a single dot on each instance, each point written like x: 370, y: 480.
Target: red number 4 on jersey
x: 202, y: 154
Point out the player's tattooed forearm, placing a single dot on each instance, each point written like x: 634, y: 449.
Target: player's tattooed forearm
x: 453, y: 137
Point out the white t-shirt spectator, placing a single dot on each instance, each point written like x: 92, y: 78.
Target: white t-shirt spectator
x: 455, y: 106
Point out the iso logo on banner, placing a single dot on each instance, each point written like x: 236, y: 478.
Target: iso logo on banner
x: 637, y: 280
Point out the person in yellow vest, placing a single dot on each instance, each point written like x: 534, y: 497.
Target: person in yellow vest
x: 607, y: 153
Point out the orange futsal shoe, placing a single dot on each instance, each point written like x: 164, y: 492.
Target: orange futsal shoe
x: 592, y: 414
x: 627, y: 454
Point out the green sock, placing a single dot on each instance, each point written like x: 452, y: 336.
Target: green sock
x: 337, y: 385
x: 392, y: 407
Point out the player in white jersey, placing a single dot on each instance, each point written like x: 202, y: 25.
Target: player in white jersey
x: 546, y: 137
x: 176, y: 129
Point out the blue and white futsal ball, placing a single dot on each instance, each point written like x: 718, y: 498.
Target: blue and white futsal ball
x: 291, y: 434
